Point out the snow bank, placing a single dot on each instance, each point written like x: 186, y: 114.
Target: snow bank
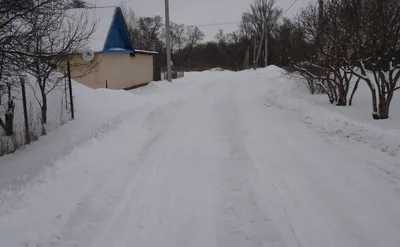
x: 96, y: 110
x: 216, y: 69
x: 354, y: 123
x: 361, y: 109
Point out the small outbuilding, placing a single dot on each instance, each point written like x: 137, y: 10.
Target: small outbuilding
x: 116, y: 64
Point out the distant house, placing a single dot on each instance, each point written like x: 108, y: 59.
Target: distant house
x: 116, y: 64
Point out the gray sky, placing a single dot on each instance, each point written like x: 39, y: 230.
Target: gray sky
x: 198, y: 12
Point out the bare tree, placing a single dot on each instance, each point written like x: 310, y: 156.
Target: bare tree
x: 261, y: 21
x: 220, y: 37
x: 147, y: 33
x: 377, y: 40
x: 12, y: 31
x: 330, y: 33
x: 315, y: 69
x: 8, y: 124
x: 131, y: 20
x: 194, y: 36
x: 55, y: 35
x: 178, y: 39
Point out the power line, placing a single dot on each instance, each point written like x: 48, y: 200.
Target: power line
x: 237, y: 22
x: 115, y: 5
x: 295, y: 1
x: 217, y: 24
x: 204, y: 24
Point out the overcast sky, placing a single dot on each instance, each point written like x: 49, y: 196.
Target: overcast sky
x: 199, y: 12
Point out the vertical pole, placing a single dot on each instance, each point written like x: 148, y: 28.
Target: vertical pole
x: 320, y: 41
x: 65, y: 94
x: 266, y: 46
x: 70, y: 91
x: 246, y: 59
x: 168, y: 41
x: 24, y: 102
x: 254, y: 55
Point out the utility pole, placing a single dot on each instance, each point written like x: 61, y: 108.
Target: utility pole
x: 266, y: 45
x: 71, y: 98
x: 246, y: 59
x: 254, y: 52
x: 261, y: 44
x: 168, y: 41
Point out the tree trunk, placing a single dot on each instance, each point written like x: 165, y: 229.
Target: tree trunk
x: 261, y: 42
x: 384, y: 105
x: 44, y: 113
x: 383, y: 110
x: 9, y: 118
x: 375, y: 114
x: 354, y: 91
x: 341, y: 100
x: 311, y: 86
x: 333, y: 92
x: 26, y: 121
x: 9, y: 123
x: 330, y: 92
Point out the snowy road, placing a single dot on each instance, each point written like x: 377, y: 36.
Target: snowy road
x: 226, y: 166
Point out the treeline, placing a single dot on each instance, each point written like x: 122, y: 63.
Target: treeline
x: 148, y: 33
x: 238, y: 50
x: 332, y: 45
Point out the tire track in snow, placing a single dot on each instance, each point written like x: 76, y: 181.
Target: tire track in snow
x: 339, y: 136
x: 171, y: 206
x: 244, y: 223
x: 94, y: 184
x: 330, y: 123
x: 86, y: 221
x: 321, y: 192
x: 11, y: 192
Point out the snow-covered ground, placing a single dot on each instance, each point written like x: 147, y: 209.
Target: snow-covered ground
x: 217, y: 158
x: 362, y: 107
x: 57, y: 113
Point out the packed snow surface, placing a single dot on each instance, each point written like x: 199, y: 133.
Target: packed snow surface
x: 214, y: 159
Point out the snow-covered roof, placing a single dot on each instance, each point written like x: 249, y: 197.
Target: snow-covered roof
x: 102, y: 18
x: 146, y: 52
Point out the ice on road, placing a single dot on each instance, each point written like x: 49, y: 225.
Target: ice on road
x: 220, y: 164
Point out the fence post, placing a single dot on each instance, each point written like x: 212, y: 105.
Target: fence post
x: 27, y: 137
x: 70, y: 91
x: 65, y: 94
x: 106, y: 84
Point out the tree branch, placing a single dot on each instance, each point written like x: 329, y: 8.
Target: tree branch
x: 312, y: 76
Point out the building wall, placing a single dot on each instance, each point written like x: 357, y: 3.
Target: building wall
x: 120, y: 70
x: 87, y: 73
